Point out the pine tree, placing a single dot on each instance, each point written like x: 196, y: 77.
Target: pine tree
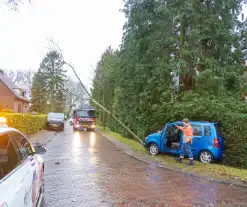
x: 51, y: 80
x: 38, y: 93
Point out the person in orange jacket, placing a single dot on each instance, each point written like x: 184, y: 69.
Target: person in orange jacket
x: 187, y: 141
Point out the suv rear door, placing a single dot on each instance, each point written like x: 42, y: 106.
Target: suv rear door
x: 220, y: 135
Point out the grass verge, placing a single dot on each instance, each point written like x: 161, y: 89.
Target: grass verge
x: 214, y: 171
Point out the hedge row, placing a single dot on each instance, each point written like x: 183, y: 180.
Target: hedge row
x: 26, y: 123
x: 235, y: 138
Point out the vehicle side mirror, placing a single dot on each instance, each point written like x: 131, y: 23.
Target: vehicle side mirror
x: 39, y: 149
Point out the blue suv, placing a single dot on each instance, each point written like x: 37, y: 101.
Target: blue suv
x: 207, y: 145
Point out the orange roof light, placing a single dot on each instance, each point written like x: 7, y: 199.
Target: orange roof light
x: 3, y: 120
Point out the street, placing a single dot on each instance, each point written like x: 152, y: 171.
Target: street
x: 84, y: 169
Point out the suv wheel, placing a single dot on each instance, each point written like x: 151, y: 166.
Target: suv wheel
x: 206, y: 157
x: 153, y: 149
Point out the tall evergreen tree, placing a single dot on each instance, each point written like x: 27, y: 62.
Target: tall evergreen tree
x: 52, y: 78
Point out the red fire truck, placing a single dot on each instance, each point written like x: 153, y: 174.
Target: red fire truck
x: 84, y: 118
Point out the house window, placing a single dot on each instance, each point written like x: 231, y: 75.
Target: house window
x: 24, y: 93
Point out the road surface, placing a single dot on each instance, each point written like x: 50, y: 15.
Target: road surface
x: 83, y: 169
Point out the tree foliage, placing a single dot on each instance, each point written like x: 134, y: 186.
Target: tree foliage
x: 177, y: 59
x: 48, y: 89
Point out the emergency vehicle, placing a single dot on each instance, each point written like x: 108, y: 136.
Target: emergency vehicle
x: 21, y: 169
x: 84, y: 118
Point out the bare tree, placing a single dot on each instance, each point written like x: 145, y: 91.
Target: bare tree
x: 14, y: 4
x: 21, y: 78
x: 75, y: 95
x: 55, y: 46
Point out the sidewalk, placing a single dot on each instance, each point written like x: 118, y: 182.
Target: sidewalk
x: 42, y: 137
x: 219, y: 173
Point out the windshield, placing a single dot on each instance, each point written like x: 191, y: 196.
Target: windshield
x: 55, y: 116
x: 85, y: 113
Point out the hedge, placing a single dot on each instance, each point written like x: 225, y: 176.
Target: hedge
x: 26, y: 123
x: 235, y: 138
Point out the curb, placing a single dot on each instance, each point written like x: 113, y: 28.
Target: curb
x: 242, y: 185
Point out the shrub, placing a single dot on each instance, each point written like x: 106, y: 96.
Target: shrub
x: 235, y: 138
x: 7, y: 111
x: 245, y: 156
x: 26, y: 123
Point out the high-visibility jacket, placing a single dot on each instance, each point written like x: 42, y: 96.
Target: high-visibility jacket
x: 188, y: 133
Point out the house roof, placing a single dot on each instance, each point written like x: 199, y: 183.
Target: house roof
x: 12, y: 87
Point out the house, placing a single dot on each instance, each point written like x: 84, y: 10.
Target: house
x: 12, y: 97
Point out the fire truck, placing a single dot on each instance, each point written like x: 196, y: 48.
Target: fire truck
x: 84, y: 118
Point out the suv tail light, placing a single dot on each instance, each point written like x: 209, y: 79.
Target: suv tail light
x: 216, y: 143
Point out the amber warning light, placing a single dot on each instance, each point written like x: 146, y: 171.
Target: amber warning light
x: 3, y: 122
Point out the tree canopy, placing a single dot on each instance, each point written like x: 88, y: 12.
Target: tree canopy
x: 177, y: 58
x: 48, y: 88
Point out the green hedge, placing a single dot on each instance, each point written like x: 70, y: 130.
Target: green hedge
x: 7, y: 111
x: 245, y: 156
x: 235, y: 138
x: 26, y: 123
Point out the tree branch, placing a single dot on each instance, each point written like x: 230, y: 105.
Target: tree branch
x: 56, y: 47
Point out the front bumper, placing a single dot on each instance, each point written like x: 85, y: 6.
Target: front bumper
x: 84, y: 126
x: 55, y: 125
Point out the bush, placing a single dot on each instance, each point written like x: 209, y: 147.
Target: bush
x: 26, y: 123
x: 235, y: 138
x: 245, y: 156
x: 7, y: 111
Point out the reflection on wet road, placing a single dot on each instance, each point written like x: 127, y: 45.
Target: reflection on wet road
x: 93, y: 172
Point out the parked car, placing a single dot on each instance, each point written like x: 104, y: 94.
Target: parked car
x: 21, y: 170
x: 55, y: 121
x: 207, y: 145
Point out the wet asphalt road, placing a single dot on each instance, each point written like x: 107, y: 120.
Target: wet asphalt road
x: 93, y: 172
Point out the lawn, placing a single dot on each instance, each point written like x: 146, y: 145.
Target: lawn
x: 215, y: 171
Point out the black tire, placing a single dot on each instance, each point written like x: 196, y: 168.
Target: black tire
x: 153, y: 149
x: 206, y: 157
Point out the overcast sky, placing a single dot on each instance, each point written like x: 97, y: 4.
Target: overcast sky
x: 83, y: 29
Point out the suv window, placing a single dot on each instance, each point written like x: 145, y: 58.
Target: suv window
x: 9, y: 158
x: 219, y: 130
x: 197, y: 129
x: 207, y: 130
x: 23, y: 145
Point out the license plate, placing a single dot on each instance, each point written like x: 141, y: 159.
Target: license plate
x: 54, y: 125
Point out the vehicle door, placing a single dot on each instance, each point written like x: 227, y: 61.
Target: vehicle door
x: 12, y: 172
x: 197, y: 138
x: 29, y: 168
